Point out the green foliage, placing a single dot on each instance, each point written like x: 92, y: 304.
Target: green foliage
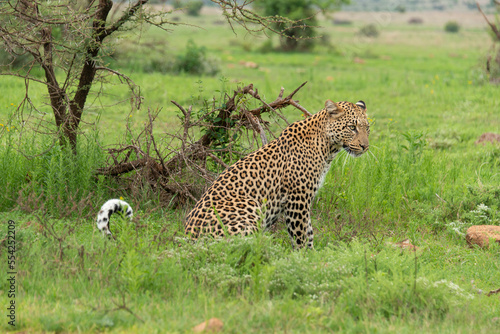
x: 298, y: 35
x: 224, y: 137
x: 193, y: 7
x: 400, y: 9
x: 195, y: 61
x: 266, y: 47
x: 149, y: 279
x: 40, y: 174
x: 369, y: 30
x: 452, y: 27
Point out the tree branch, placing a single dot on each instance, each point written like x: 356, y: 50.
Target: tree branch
x: 125, y: 17
x: 492, y: 26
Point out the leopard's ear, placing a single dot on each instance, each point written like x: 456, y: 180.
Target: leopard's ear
x: 361, y: 104
x: 332, y: 107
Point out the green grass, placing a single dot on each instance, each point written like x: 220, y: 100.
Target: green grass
x: 424, y: 179
x: 253, y: 284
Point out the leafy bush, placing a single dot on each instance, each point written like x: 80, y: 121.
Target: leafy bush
x: 369, y: 30
x: 415, y: 20
x: 481, y: 215
x: 400, y: 9
x: 266, y: 47
x: 298, y: 35
x: 452, y: 27
x: 193, y: 8
x: 195, y: 61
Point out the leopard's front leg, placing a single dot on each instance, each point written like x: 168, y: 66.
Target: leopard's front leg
x: 298, y: 223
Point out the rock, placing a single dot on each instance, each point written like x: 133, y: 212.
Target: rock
x: 481, y: 234
x: 213, y: 325
x: 488, y: 137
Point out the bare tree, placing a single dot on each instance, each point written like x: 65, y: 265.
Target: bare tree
x: 66, y: 39
x: 493, y: 60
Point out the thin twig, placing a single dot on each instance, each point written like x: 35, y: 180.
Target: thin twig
x: 493, y: 292
x: 493, y: 26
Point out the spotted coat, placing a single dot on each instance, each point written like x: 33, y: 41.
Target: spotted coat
x: 281, y: 177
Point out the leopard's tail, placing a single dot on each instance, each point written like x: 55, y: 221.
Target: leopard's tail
x: 107, y: 209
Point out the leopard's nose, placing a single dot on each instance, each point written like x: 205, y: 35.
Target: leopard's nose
x: 364, y: 147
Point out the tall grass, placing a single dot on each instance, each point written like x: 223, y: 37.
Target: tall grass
x: 397, y: 174
x: 39, y: 173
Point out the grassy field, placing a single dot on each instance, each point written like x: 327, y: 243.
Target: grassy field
x: 424, y: 179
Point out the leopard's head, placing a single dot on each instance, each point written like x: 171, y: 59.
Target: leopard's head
x: 348, y: 126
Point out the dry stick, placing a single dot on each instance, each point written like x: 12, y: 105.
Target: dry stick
x: 198, y: 149
x: 254, y: 121
x: 123, y: 306
x: 219, y: 161
x: 301, y: 108
x: 137, y: 96
x: 280, y: 102
x: 493, y: 26
x: 262, y: 133
x: 187, y: 123
x: 492, y: 292
x: 151, y: 120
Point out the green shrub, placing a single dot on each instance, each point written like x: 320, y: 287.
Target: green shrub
x: 195, y: 61
x: 451, y: 26
x: 298, y: 35
x: 400, y: 9
x: 266, y: 47
x: 369, y: 30
x: 193, y: 8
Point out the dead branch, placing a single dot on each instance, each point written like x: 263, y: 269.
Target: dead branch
x: 301, y: 108
x: 123, y: 168
x: 492, y: 292
x: 492, y: 26
x: 162, y: 168
x: 279, y: 103
x: 136, y: 94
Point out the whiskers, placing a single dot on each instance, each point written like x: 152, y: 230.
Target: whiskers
x: 343, y: 156
x: 372, y: 155
x: 347, y: 154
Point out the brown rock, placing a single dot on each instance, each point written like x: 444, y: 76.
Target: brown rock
x: 481, y: 234
x: 213, y: 325
x: 488, y: 137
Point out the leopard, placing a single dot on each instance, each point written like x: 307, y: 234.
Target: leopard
x: 281, y: 178
x: 110, y: 207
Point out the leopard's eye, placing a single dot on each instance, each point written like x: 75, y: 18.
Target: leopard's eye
x: 352, y: 127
